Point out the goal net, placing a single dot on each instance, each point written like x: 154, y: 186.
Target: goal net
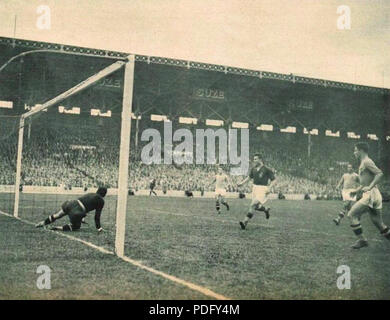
x: 67, y: 139
x: 67, y: 152
x: 9, y: 126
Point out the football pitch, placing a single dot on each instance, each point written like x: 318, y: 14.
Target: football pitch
x: 293, y: 255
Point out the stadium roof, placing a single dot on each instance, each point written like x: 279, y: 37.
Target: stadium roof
x: 190, y: 64
x: 180, y: 88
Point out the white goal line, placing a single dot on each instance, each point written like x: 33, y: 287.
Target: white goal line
x: 203, y: 290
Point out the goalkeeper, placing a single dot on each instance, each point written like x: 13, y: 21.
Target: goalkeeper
x: 76, y: 210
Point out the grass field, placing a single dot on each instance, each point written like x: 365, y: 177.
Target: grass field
x: 294, y: 255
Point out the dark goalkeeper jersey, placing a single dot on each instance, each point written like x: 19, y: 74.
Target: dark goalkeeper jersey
x: 261, y: 175
x: 93, y: 201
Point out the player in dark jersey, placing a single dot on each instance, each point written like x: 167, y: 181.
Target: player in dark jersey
x: 76, y: 210
x: 263, y: 180
x: 152, y: 186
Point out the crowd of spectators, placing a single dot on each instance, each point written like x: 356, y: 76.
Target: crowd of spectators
x: 85, y: 155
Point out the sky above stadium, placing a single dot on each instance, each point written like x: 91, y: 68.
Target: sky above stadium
x: 286, y: 36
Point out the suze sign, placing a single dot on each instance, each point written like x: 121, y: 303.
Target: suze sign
x: 6, y: 104
x: 298, y: 104
x: 109, y: 83
x: 209, y: 94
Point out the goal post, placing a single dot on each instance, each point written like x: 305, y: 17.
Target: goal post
x: 129, y: 66
x: 18, y: 166
x: 124, y: 153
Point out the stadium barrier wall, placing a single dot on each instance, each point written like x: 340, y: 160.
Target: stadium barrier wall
x: 114, y: 191
x: 7, y: 189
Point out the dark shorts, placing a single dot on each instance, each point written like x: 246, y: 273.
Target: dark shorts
x: 74, y: 211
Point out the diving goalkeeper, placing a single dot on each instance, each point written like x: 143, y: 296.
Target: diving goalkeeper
x: 76, y: 210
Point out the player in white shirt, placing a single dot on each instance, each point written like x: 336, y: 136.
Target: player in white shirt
x: 221, y: 181
x: 350, y: 182
x: 369, y: 197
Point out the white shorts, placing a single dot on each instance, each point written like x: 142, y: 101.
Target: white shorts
x: 220, y: 192
x: 372, y: 199
x: 346, y: 193
x: 259, y: 193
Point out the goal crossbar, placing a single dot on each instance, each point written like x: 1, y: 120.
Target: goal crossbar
x: 77, y: 88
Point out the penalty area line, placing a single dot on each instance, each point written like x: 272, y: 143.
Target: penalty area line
x: 203, y: 290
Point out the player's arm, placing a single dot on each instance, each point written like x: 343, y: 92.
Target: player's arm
x: 244, y: 181
x: 358, y: 190
x: 98, y: 213
x: 378, y: 174
x: 357, y: 178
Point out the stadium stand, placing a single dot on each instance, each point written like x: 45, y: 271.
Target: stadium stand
x: 50, y: 159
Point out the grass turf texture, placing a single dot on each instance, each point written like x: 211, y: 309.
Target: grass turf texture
x: 294, y: 255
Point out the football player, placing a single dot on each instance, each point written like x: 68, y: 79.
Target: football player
x: 152, y: 186
x: 263, y: 180
x: 221, y: 181
x: 77, y: 209
x: 370, y: 197
x: 349, y: 181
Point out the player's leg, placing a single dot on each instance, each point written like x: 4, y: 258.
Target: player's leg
x: 355, y: 214
x: 224, y: 202
x: 75, y: 217
x: 346, y: 207
x: 68, y: 227
x: 217, y: 203
x: 53, y: 217
x: 375, y: 210
x: 249, y: 215
x: 376, y: 218
x: 262, y: 197
x: 260, y: 207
